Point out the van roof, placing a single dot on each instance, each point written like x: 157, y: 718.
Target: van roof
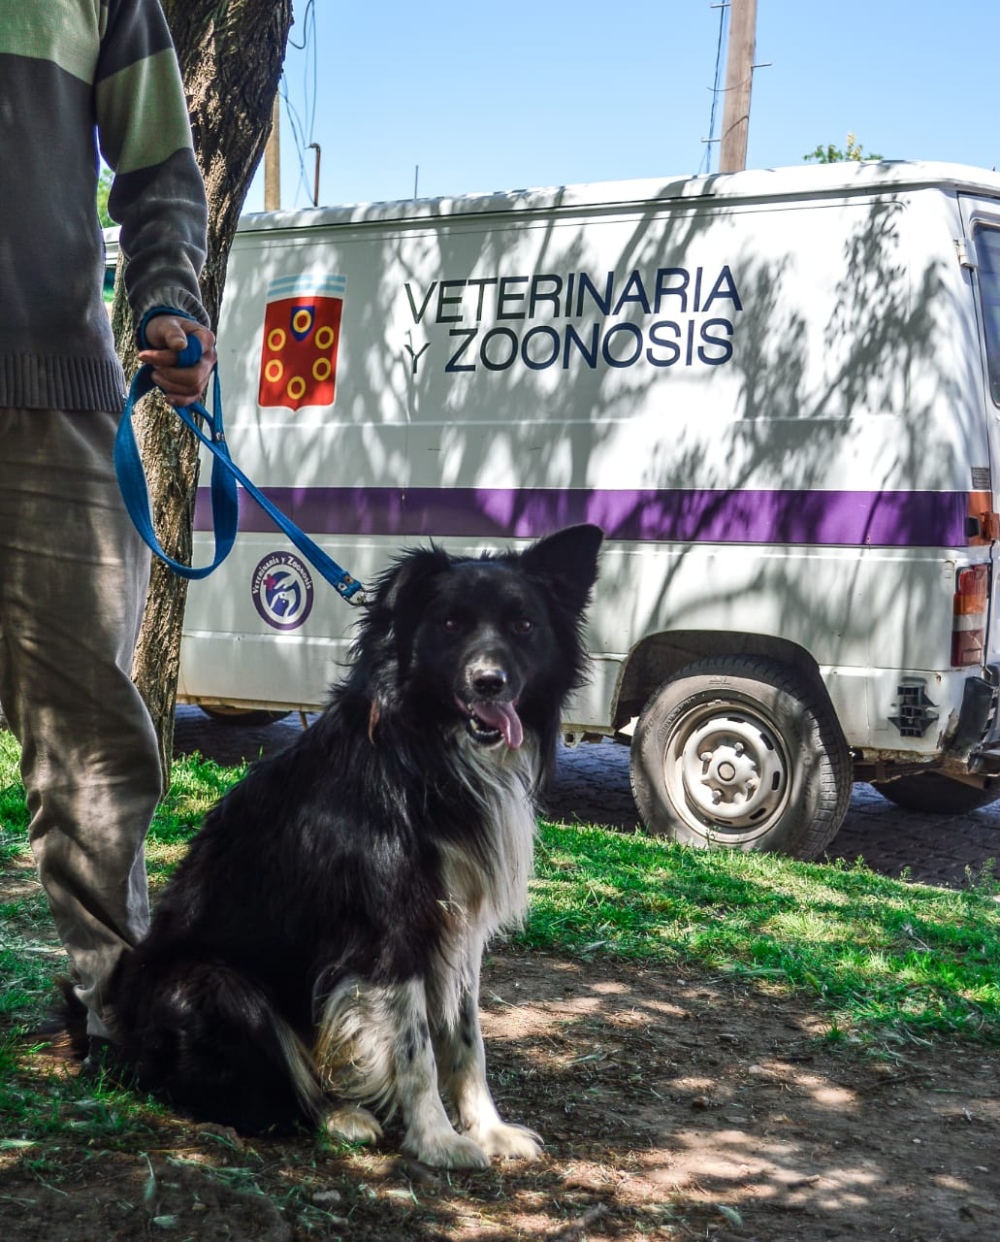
x: 800, y: 181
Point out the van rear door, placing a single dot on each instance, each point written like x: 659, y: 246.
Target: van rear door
x: 979, y: 252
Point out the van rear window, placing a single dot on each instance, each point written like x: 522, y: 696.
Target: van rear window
x: 988, y: 254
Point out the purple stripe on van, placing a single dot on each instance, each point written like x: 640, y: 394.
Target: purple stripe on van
x: 853, y: 519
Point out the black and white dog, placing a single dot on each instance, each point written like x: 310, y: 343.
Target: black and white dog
x: 316, y: 956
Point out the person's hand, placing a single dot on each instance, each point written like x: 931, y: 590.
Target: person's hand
x: 166, y: 336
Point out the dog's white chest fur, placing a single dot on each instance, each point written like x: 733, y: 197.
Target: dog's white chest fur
x: 481, y: 900
x: 496, y: 895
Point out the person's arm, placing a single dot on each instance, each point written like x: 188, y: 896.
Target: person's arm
x: 157, y: 195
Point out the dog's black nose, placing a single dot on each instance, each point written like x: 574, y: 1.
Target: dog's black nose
x: 488, y: 682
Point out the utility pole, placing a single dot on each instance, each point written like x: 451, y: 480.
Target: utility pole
x: 272, y: 161
x: 739, y: 80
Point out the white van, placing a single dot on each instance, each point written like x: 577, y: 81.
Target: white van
x: 777, y: 391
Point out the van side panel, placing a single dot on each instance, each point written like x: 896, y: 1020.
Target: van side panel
x: 773, y: 406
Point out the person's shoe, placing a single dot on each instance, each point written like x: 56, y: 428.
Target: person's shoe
x: 104, y: 1060
x: 61, y: 1032
x: 52, y: 1026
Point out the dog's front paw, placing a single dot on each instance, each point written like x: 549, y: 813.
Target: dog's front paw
x: 512, y: 1142
x: 352, y: 1124
x: 446, y: 1150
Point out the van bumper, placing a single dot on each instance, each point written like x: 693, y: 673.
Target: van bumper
x: 976, y: 739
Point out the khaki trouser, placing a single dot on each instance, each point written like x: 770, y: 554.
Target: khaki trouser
x: 73, y: 581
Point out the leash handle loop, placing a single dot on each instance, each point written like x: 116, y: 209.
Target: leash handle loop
x: 132, y: 478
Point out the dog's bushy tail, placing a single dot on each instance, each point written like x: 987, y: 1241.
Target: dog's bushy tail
x: 208, y: 1040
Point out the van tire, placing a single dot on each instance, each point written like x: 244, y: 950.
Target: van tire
x: 741, y: 752
x: 938, y: 794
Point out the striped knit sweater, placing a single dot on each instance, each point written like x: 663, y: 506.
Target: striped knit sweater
x: 75, y: 74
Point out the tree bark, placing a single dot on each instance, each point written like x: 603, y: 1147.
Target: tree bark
x: 230, y: 53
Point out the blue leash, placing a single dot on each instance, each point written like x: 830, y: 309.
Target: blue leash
x: 225, y: 475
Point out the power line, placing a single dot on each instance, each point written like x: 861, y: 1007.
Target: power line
x: 716, y: 88
x: 298, y: 134
x: 310, y: 10
x: 303, y: 130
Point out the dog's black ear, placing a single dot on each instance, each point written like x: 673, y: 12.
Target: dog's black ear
x: 568, y: 561
x: 382, y: 647
x: 383, y: 643
x: 402, y: 592
x: 403, y: 588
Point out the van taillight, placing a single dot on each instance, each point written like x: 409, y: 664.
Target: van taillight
x: 968, y: 626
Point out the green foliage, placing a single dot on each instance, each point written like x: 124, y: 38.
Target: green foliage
x: 196, y: 784
x: 103, y: 190
x: 13, y: 812
x: 834, y: 155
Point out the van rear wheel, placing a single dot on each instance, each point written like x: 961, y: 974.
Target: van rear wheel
x: 245, y: 717
x: 742, y: 753
x: 938, y: 794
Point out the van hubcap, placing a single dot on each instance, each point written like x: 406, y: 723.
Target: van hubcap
x: 726, y: 768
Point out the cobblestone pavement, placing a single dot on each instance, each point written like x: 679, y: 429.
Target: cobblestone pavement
x: 592, y: 786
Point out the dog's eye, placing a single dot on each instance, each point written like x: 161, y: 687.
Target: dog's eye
x: 450, y: 625
x: 523, y: 625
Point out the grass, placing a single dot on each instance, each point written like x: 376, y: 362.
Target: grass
x: 879, y: 957
x: 34, y: 1114
x: 30, y: 958
x: 879, y: 962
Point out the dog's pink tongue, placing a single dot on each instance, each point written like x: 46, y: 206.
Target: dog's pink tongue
x: 502, y: 716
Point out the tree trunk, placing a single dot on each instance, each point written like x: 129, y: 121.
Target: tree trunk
x: 231, y: 56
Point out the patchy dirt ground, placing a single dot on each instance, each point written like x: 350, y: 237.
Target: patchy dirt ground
x: 673, y: 1107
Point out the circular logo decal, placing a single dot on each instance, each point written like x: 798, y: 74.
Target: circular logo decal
x: 282, y: 590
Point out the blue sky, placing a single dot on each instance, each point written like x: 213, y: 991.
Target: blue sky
x: 544, y: 92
